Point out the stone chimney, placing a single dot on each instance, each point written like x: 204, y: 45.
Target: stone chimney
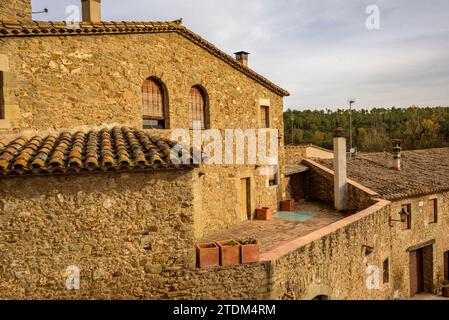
x: 91, y: 10
x: 340, y: 171
x: 396, y: 154
x: 15, y: 10
x: 242, y: 57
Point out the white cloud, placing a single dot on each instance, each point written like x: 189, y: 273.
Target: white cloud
x: 318, y: 50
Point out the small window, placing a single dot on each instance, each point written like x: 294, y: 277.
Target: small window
x: 446, y: 266
x: 153, y: 104
x: 197, y: 108
x: 407, y: 223
x: 386, y: 271
x: 2, y: 98
x: 264, y: 117
x: 272, y: 176
x: 432, y: 211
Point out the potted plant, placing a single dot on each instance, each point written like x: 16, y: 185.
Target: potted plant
x: 288, y: 205
x: 249, y: 250
x: 207, y: 255
x: 229, y: 252
x: 264, y: 213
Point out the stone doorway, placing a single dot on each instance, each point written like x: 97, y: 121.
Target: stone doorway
x: 421, y: 270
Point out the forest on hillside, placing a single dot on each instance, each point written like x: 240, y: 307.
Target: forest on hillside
x: 373, y: 130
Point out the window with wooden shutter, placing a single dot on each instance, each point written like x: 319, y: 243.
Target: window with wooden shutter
x: 197, y: 108
x: 264, y: 117
x: 2, y: 99
x: 153, y: 104
x: 432, y: 211
x: 407, y: 224
x: 386, y: 271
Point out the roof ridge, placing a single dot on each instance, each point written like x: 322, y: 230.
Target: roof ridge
x: 62, y: 28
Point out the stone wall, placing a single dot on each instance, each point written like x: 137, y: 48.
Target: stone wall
x: 15, y: 10
x: 130, y: 234
x: 333, y: 261
x: 295, y: 154
x: 421, y: 232
x: 319, y: 186
x: 70, y: 81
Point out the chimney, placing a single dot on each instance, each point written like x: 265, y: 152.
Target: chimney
x: 242, y: 57
x: 91, y: 10
x: 340, y: 171
x: 396, y: 154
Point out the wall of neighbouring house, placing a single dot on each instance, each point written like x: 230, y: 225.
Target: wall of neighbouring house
x: 295, y: 154
x: 421, y: 232
x: 319, y: 186
x: 15, y: 10
x: 334, y: 263
x: 130, y: 234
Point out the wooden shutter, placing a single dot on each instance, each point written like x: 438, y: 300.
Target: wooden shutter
x: 432, y: 210
x: 446, y: 265
x: 386, y: 271
x: 197, y: 108
x: 2, y: 100
x: 153, y: 100
x: 264, y: 117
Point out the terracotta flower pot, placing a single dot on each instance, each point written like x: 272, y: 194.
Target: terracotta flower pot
x: 250, y: 252
x: 264, y: 214
x: 446, y: 291
x: 288, y: 205
x: 207, y: 255
x: 229, y: 254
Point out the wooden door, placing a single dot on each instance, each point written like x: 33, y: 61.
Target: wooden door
x: 416, y: 272
x: 245, y: 196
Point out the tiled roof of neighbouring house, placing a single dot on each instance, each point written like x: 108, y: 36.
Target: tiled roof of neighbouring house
x: 115, y: 149
x: 48, y: 28
x: 422, y: 172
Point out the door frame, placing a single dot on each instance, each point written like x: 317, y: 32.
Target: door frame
x: 245, y: 174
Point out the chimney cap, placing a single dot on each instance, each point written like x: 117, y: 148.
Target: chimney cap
x: 241, y: 52
x: 339, y: 132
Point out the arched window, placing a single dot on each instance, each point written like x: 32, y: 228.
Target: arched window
x: 197, y: 108
x: 153, y: 101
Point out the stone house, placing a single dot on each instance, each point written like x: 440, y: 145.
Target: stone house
x: 89, y: 185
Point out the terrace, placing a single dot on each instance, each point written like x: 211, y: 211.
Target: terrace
x: 277, y: 232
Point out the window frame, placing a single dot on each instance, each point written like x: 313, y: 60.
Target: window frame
x: 433, y: 216
x: 204, y: 113
x: 162, y: 121
x: 265, y: 111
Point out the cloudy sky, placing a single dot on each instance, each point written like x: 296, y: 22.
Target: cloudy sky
x: 321, y: 51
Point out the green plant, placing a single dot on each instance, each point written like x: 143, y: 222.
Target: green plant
x: 248, y: 241
x: 232, y: 243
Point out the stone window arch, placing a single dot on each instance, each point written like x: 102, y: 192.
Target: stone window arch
x: 154, y: 104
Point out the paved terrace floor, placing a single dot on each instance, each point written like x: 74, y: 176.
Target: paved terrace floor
x: 276, y: 232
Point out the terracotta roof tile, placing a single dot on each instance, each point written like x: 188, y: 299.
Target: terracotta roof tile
x: 119, y: 148
x: 48, y: 28
x: 422, y: 172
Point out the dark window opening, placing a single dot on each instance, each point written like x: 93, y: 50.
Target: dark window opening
x: 446, y: 266
x: 386, y: 271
